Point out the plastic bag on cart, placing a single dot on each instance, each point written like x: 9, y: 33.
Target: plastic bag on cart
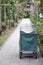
x: 26, y: 26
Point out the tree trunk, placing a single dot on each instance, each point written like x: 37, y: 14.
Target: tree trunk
x: 0, y: 14
x: 9, y: 15
x: 41, y: 6
x: 0, y: 18
x: 4, y: 13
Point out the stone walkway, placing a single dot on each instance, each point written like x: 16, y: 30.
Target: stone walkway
x: 9, y: 53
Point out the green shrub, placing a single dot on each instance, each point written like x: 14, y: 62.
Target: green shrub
x: 41, y: 39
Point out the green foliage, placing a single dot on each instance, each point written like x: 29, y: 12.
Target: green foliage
x: 41, y: 39
x: 2, y: 16
x: 10, y: 8
x: 21, y: 13
x: 32, y: 17
x: 22, y: 0
x: 41, y: 20
x: 38, y: 24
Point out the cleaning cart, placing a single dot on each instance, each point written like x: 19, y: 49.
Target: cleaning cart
x: 28, y: 42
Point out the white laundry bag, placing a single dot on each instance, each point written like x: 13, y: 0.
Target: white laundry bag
x: 26, y: 25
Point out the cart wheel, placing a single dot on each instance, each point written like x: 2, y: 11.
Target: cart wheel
x: 35, y: 55
x: 20, y: 55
